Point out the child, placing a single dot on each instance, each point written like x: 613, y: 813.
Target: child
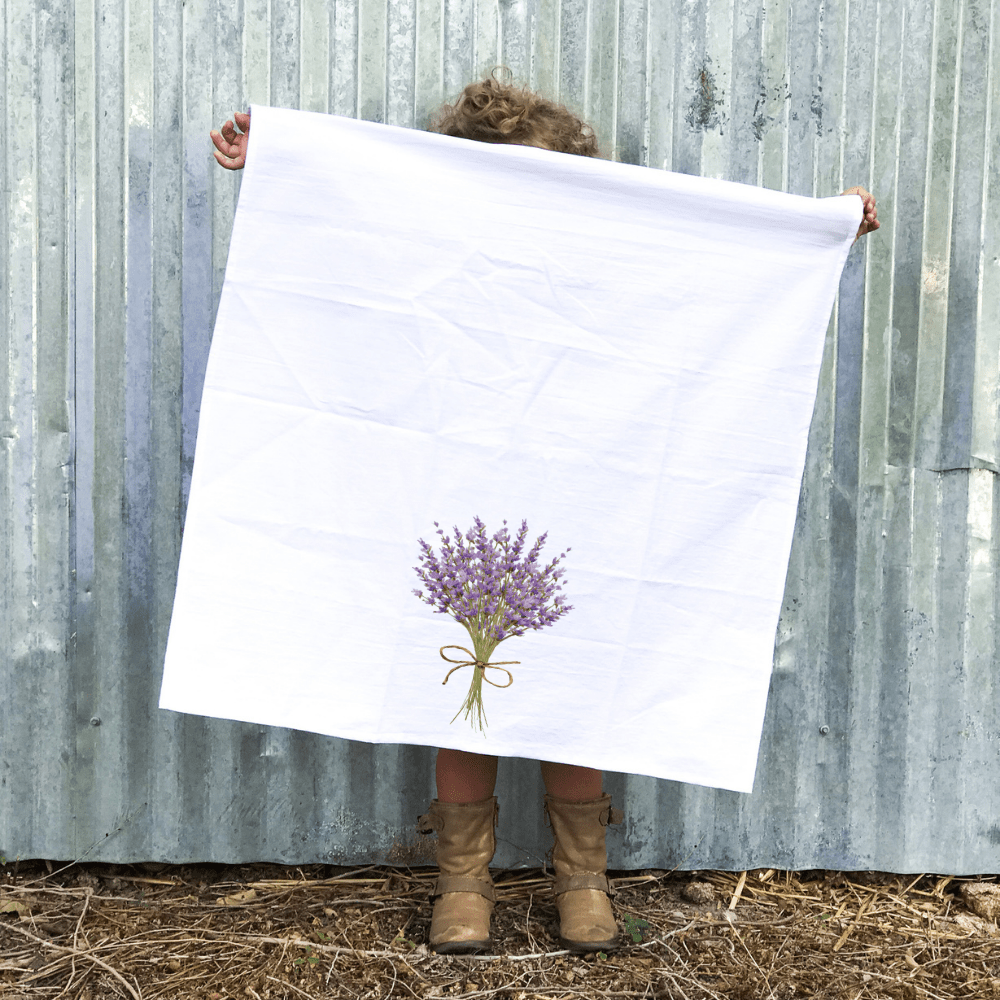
x: 465, y: 810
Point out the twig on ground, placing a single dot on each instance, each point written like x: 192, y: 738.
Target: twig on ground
x: 82, y: 954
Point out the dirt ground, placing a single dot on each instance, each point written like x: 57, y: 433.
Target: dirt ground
x: 218, y: 932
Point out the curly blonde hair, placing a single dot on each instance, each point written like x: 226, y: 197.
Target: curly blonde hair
x: 494, y: 110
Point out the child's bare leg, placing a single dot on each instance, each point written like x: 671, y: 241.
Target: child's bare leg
x: 465, y: 777
x: 572, y: 782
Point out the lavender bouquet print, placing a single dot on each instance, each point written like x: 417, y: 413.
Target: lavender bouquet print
x: 487, y: 588
x: 415, y: 327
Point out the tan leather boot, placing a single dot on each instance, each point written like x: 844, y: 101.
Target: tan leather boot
x: 580, y: 860
x: 463, y: 895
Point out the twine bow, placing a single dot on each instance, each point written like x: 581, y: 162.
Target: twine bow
x: 476, y: 663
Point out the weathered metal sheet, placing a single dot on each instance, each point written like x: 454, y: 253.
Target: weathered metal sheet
x: 881, y: 738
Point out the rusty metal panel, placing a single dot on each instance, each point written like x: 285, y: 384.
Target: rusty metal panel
x: 881, y: 735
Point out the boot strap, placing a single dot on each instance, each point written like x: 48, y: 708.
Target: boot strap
x: 428, y: 823
x: 463, y: 883
x: 583, y: 880
x: 432, y: 821
x: 607, y: 817
x: 614, y: 816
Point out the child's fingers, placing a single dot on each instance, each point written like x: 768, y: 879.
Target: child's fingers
x: 233, y: 160
x: 220, y: 143
x: 869, y: 214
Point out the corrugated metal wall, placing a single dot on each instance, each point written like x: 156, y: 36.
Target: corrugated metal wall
x: 881, y: 743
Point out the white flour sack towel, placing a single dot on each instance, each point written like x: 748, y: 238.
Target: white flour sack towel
x: 418, y: 331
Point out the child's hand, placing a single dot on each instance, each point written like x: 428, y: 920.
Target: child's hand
x: 869, y: 223
x: 231, y: 146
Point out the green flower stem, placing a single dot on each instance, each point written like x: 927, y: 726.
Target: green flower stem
x: 473, y: 703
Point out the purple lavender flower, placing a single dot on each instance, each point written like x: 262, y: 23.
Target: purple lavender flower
x: 487, y: 587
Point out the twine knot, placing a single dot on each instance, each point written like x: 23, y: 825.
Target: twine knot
x: 476, y: 663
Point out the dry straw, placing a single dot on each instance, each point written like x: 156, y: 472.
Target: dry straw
x: 265, y: 931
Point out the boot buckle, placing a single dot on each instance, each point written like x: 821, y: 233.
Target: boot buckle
x: 429, y: 822
x: 611, y: 816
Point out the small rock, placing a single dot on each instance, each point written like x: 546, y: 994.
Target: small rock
x: 983, y: 898
x: 698, y: 892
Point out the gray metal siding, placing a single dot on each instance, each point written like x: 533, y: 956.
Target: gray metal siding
x: 880, y: 743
